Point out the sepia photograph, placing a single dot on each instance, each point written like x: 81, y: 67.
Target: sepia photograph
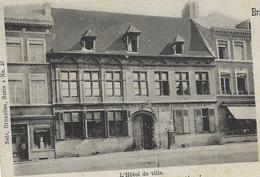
x: 96, y: 89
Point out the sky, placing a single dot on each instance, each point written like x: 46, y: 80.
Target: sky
x: 239, y: 9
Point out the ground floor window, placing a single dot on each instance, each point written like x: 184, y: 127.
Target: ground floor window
x: 73, y: 125
x: 204, y: 120
x: 95, y: 124
x: 181, y: 120
x: 42, y: 138
x: 117, y: 121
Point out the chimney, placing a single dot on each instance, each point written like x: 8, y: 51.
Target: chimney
x: 46, y: 9
x: 191, y: 10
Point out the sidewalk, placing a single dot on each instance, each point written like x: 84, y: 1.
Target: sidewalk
x: 229, y: 153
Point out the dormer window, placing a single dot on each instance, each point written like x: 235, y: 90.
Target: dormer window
x: 88, y: 41
x: 178, y: 45
x: 132, y: 39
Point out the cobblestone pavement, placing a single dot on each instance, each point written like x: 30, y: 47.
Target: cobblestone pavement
x: 215, y: 154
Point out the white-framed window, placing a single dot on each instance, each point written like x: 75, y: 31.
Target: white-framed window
x: 38, y: 89
x: 14, y: 49
x: 92, y: 83
x: 225, y: 82
x: 69, y: 83
x: 242, y: 82
x: 140, y: 83
x: 132, y: 42
x: 223, y: 49
x: 16, y: 88
x: 113, y: 83
x: 161, y: 83
x: 239, y: 50
x: 36, y: 50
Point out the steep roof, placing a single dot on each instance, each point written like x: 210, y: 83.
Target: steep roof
x: 156, y: 32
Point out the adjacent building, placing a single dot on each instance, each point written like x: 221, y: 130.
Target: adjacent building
x: 109, y: 82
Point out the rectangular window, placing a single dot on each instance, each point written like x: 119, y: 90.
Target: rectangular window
x: 223, y: 49
x: 113, y: 83
x: 38, y: 89
x: 202, y: 83
x: 182, y: 83
x: 36, y: 50
x: 95, y: 124
x: 140, y: 83
x: 205, y: 119
x: 73, y: 125
x: 181, y: 121
x: 179, y: 48
x: 132, y: 43
x: 239, y: 51
x: 225, y: 83
x: 42, y: 138
x: 161, y: 83
x: 117, y: 121
x: 14, y: 50
x: 69, y: 83
x: 16, y: 88
x: 242, y: 83
x: 92, y: 83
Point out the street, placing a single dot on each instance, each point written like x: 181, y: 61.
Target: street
x: 215, y: 154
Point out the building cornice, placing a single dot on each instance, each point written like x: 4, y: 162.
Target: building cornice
x: 231, y: 31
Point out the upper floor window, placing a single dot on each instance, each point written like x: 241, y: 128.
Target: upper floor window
x: 182, y: 83
x: 14, y: 50
x: 223, y: 49
x: 202, y: 83
x: 161, y: 83
x: 69, y: 83
x: 132, y: 39
x: 88, y: 41
x: 242, y: 83
x: 140, y: 83
x: 239, y: 50
x: 113, y: 83
x: 16, y: 88
x: 178, y: 45
x: 38, y: 89
x: 36, y: 50
x: 91, y: 83
x: 225, y: 83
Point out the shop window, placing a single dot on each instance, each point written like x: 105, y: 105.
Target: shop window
x: 223, y: 49
x: 38, y: 89
x: 225, y: 83
x: 113, y: 83
x: 42, y: 138
x: 92, y: 83
x: 242, y: 83
x: 117, y: 122
x: 69, y: 82
x: 182, y: 83
x: 14, y: 50
x: 36, y: 50
x: 140, y: 83
x: 202, y: 83
x: 95, y: 124
x: 161, y: 83
x: 73, y: 125
x: 181, y: 120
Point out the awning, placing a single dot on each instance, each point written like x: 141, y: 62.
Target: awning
x: 243, y: 112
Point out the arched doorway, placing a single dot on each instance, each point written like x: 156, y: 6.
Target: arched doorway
x: 143, y: 130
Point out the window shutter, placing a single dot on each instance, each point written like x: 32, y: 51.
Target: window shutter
x: 212, y: 120
x: 62, y: 131
x: 186, y: 121
x: 179, y: 121
x: 59, y: 127
x: 198, y: 121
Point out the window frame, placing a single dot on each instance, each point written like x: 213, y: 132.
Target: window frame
x: 221, y: 73
x: 99, y: 80
x: 228, y: 49
x: 246, y: 82
x: 175, y: 48
x: 69, y: 81
x: 43, y: 77
x: 139, y: 81
x: 73, y: 124
x: 160, y: 81
x: 124, y: 120
x: 129, y: 43
x: 113, y: 81
x: 102, y: 113
x: 17, y: 40
x: 93, y: 40
x: 181, y: 81
x: 18, y: 77
x: 39, y: 40
x: 208, y: 81
x: 244, y: 58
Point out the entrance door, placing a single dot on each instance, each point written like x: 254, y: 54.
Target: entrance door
x: 20, y: 142
x: 143, y: 130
